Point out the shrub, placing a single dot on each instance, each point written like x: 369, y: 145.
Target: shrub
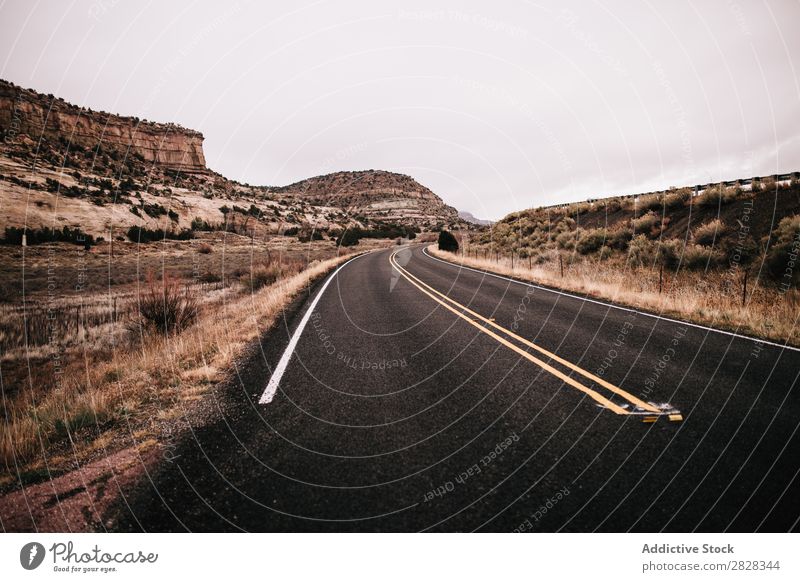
x: 209, y: 277
x: 782, y: 256
x: 566, y: 240
x: 706, y: 234
x: 154, y: 210
x: 646, y: 223
x: 669, y: 252
x: 165, y: 308
x: 677, y: 198
x: 201, y: 225
x: 35, y: 236
x: 605, y: 253
x: 142, y: 234
x: 641, y: 251
x: 262, y: 276
x: 699, y: 257
x: 620, y: 238
x: 651, y: 202
x: 349, y: 237
x: 590, y: 241
x: 447, y: 242
x: 716, y: 195
x: 204, y: 249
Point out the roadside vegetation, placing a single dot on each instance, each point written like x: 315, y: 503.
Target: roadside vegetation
x: 727, y: 258
x: 86, y: 373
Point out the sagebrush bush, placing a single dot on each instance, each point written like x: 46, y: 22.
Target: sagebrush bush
x: 262, y: 276
x: 620, y: 238
x: 566, y: 240
x: 590, y: 241
x: 641, y: 251
x: 651, y: 202
x: 677, y: 198
x: 782, y: 256
x: 719, y: 194
x: 646, y: 223
x: 707, y: 234
x: 669, y: 252
x: 164, y: 307
x: 697, y: 257
x: 204, y: 249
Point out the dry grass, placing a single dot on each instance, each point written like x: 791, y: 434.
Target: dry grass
x: 713, y: 299
x: 81, y: 406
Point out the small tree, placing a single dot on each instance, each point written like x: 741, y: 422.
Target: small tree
x: 349, y: 238
x: 447, y: 242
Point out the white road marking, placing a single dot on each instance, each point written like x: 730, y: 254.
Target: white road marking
x: 277, y: 374
x: 535, y: 286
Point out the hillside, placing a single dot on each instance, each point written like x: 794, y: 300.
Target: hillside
x: 64, y: 165
x: 375, y: 194
x: 724, y: 227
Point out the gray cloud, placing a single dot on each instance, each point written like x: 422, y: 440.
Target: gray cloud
x: 495, y: 109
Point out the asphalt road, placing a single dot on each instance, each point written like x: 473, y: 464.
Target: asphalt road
x: 397, y: 413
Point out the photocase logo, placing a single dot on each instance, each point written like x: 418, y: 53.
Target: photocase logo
x: 31, y: 555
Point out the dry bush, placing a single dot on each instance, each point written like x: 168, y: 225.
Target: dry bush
x: 261, y: 276
x: 646, y: 223
x: 589, y: 241
x: 677, y: 198
x: 708, y: 233
x: 651, y: 202
x: 718, y: 194
x: 204, y: 249
x: 164, y: 307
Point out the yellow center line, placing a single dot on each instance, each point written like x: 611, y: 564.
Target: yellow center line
x: 585, y: 373
x: 545, y: 366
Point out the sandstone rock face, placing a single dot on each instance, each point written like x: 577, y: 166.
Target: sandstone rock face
x: 375, y: 194
x: 168, y: 146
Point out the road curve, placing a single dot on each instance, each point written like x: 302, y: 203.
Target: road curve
x: 421, y: 396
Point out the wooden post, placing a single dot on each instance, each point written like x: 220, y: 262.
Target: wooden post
x: 512, y: 260
x: 561, y: 265
x: 744, y: 288
x: 530, y: 263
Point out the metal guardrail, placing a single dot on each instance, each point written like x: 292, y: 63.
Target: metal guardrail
x: 699, y: 188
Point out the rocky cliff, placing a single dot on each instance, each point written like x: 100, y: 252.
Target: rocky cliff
x: 377, y: 195
x: 95, y: 156
x: 168, y: 146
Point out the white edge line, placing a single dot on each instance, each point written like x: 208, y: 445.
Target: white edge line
x: 628, y: 309
x: 277, y: 374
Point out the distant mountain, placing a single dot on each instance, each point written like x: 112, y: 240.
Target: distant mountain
x: 92, y: 154
x: 468, y: 217
x: 376, y: 195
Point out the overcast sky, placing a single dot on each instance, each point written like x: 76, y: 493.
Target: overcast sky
x: 494, y: 106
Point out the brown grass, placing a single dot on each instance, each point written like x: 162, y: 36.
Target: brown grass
x: 166, y: 307
x: 149, y: 380
x: 713, y: 299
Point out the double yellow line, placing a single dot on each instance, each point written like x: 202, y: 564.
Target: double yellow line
x: 477, y: 321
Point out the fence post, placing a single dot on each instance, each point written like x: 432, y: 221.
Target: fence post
x: 744, y: 288
x: 561, y: 265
